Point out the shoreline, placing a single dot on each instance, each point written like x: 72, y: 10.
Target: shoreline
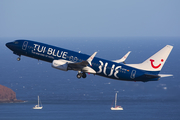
x: 12, y: 101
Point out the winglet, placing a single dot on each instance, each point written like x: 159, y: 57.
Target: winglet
x: 123, y: 58
x: 91, y: 58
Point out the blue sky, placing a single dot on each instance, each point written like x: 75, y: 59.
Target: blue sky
x: 89, y: 18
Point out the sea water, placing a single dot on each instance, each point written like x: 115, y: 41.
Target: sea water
x: 65, y: 97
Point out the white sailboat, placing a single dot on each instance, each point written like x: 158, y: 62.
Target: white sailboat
x: 38, y: 106
x: 116, y: 107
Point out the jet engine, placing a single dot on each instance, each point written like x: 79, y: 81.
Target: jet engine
x: 60, y: 64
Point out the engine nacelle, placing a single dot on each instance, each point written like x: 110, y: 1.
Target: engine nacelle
x: 60, y: 64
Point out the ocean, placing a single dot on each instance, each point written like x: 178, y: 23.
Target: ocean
x: 65, y: 97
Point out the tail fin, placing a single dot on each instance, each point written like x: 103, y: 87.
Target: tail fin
x: 155, y: 62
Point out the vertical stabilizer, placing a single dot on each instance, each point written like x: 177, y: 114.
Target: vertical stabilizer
x: 155, y: 62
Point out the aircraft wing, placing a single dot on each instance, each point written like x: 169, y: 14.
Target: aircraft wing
x: 123, y: 58
x: 82, y: 66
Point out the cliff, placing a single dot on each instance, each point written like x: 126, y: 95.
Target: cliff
x: 7, y: 95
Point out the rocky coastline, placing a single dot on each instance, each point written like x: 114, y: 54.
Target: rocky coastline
x: 7, y: 95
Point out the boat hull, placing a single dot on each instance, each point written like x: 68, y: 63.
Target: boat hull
x: 117, y: 108
x: 37, y: 107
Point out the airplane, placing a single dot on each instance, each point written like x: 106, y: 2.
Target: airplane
x: 65, y: 60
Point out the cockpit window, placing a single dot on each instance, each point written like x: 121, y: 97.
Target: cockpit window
x: 15, y: 42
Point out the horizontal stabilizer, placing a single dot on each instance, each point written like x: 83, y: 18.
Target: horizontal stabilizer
x: 165, y: 75
x: 151, y: 76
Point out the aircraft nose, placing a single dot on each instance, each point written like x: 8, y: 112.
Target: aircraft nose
x: 9, y: 45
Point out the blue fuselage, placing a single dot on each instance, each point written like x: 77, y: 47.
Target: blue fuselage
x: 102, y: 67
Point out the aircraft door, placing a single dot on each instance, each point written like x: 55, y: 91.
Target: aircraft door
x: 24, y: 46
x: 133, y: 74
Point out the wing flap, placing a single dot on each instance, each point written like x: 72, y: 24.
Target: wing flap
x: 82, y: 66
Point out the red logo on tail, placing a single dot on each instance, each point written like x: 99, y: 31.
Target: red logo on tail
x: 155, y: 67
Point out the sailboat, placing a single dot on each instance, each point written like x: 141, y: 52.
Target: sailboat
x: 116, y: 107
x: 38, y: 106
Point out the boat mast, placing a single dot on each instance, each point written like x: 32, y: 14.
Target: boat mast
x: 115, y: 99
x: 38, y: 100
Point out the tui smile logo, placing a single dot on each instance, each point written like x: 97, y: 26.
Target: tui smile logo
x: 155, y: 67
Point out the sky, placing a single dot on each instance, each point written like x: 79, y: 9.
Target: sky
x: 89, y: 18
